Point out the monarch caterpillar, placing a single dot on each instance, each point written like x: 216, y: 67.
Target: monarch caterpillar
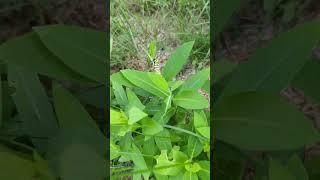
x: 156, y: 66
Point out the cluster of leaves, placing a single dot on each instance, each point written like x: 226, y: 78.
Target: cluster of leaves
x: 46, y: 133
x: 252, y: 123
x: 159, y: 125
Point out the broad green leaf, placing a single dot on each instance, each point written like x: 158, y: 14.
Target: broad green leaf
x: 135, y: 115
x: 196, y: 81
x: 278, y: 171
x: 204, y: 172
x: 39, y: 58
x: 134, y: 100
x: 119, y: 93
x: 175, y: 84
x: 94, y: 96
x: 118, y: 77
x: 193, y: 167
x: 81, y: 49
x: 150, y: 127
x: 177, y: 60
x: 312, y: 165
x: 163, y: 140
x: 296, y: 167
x: 149, y: 148
x: 151, y: 82
x: 78, y: 161
x: 199, y: 119
x: 221, y: 68
x: 138, y: 160
x: 33, y: 105
x: 121, y: 127
x: 229, y: 161
x: 73, y: 118
x: 190, y: 100
x: 162, y: 177
x: 204, y: 131
x: 194, y: 147
x: 241, y: 121
x: 206, y: 87
x: 114, y: 150
x: 8, y: 106
x: 163, y: 117
x: 307, y: 79
x: 26, y: 166
x: 172, y: 167
x: 117, y: 117
x: 272, y: 68
x: 201, y: 124
x: 190, y: 176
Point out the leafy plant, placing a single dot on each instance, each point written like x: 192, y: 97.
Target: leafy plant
x: 159, y: 125
x: 251, y: 122
x: 46, y: 132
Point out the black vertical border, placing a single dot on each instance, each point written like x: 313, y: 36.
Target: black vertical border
x: 107, y: 97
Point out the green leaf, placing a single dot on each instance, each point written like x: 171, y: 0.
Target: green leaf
x: 190, y: 100
x: 307, y: 79
x: 77, y: 161
x: 175, y: 84
x: 272, y: 68
x: 172, y: 167
x: 266, y: 128
x: 94, y: 96
x: 119, y: 93
x: 135, y: 115
x: 81, y: 49
x: 204, y: 131
x: 204, y: 172
x: 150, y: 127
x: 33, y: 106
x: 194, y: 147
x: 138, y: 160
x: 134, y: 100
x: 163, y: 140
x: 196, y: 81
x: 149, y: 148
x: 73, y: 118
x: 199, y: 119
x: 312, y: 166
x: 39, y: 58
x: 206, y: 87
x: 151, y: 82
x: 8, y: 106
x: 163, y: 117
x: 119, y: 78
x: 177, y: 60
x: 117, y: 117
x: 190, y: 176
x: 278, y: 171
x: 221, y: 68
x: 114, y: 150
x: 296, y: 167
